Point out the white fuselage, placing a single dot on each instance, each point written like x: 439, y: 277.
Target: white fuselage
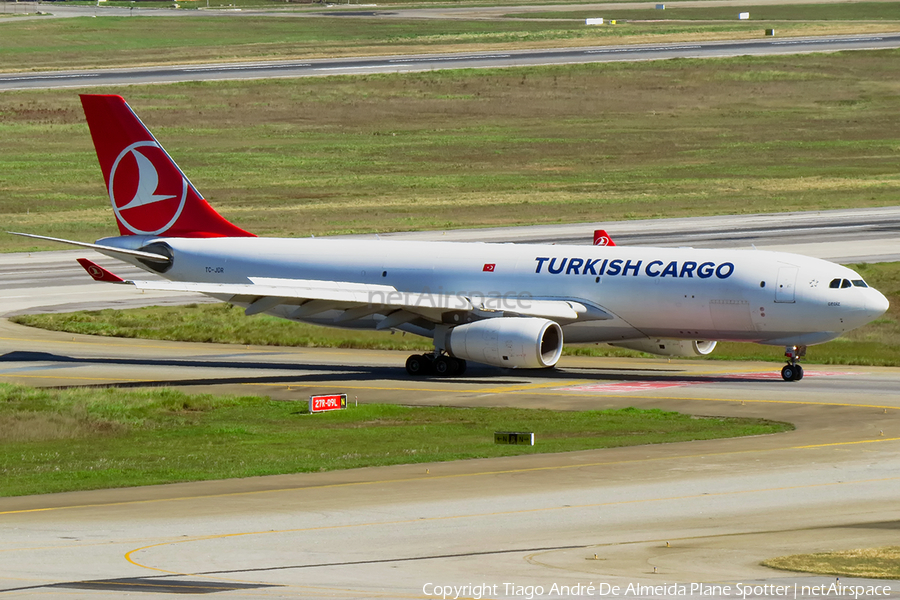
x: 678, y: 293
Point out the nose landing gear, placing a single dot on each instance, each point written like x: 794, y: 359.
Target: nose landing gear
x: 793, y: 371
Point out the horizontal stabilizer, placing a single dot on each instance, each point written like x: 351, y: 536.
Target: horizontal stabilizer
x: 160, y: 258
x: 98, y: 272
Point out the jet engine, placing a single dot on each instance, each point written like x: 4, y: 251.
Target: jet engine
x: 158, y: 248
x: 515, y: 342
x: 669, y: 347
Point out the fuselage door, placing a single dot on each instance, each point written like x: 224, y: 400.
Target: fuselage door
x: 784, y: 287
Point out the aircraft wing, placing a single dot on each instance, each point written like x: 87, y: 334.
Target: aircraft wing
x: 307, y: 297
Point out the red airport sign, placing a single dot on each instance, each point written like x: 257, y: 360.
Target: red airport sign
x: 326, y: 403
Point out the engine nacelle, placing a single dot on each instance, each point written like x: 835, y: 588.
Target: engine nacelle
x: 669, y: 347
x: 515, y: 342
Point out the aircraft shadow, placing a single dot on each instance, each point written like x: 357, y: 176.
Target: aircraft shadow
x: 307, y: 373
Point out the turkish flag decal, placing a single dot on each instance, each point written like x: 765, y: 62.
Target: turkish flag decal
x: 489, y: 268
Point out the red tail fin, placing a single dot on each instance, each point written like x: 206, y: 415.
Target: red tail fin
x: 601, y: 238
x: 149, y: 193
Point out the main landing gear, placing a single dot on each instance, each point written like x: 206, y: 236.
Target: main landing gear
x: 793, y: 371
x: 441, y: 365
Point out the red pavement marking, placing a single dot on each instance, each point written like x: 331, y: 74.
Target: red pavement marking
x: 628, y: 386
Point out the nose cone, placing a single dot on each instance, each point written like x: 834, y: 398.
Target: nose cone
x: 876, y: 304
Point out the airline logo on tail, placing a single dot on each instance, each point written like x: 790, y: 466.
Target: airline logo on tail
x: 145, y: 188
x: 149, y: 193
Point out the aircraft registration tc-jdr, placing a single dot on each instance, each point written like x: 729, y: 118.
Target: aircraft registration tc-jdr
x: 507, y: 305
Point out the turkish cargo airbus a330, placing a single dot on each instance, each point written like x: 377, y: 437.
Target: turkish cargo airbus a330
x: 507, y: 305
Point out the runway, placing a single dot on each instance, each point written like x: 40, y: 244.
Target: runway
x: 722, y: 506
x: 431, y: 62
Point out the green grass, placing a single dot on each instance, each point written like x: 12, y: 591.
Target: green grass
x: 78, y: 439
x: 85, y: 42
x: 73, y: 43
x: 855, y: 11
x: 878, y: 343
x: 869, y: 563
x: 187, y: 5
x: 482, y: 148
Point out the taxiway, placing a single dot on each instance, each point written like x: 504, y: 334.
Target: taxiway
x: 650, y: 515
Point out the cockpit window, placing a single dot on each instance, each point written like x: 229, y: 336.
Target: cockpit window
x: 846, y: 283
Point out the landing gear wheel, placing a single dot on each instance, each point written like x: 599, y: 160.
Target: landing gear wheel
x: 446, y: 366
x: 418, y: 365
x: 462, y: 367
x: 793, y: 371
x: 789, y: 373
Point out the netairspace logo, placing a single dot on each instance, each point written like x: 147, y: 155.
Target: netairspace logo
x: 453, y: 300
x: 663, y: 591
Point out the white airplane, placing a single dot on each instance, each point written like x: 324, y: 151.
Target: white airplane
x: 506, y: 305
